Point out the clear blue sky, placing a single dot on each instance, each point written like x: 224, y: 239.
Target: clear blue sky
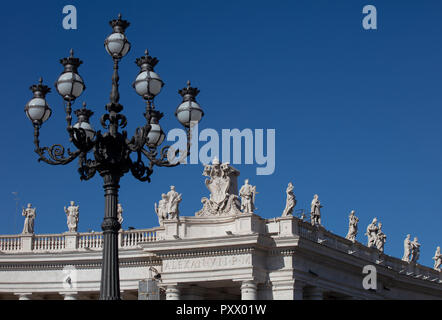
x: 357, y: 113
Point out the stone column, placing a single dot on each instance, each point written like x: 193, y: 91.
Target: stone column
x: 249, y: 290
x: 314, y: 293
x: 193, y: 293
x: 69, y: 295
x: 172, y: 292
x: 24, y: 296
x: 298, y: 290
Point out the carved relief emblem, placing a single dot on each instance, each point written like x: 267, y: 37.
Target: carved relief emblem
x: 222, y: 184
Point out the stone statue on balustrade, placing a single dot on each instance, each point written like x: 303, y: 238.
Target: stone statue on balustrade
x: 381, y: 238
x: 315, y: 211
x: 407, y: 249
x: 161, y: 209
x: 120, y: 215
x: 437, y: 259
x: 72, y: 214
x: 290, y: 202
x: 223, y: 187
x: 247, y: 194
x: 30, y: 214
x: 415, y: 250
x: 371, y: 233
x: 173, y: 200
x: 352, y: 226
x: 167, y: 207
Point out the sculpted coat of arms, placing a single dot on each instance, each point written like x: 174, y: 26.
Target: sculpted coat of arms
x: 222, y: 184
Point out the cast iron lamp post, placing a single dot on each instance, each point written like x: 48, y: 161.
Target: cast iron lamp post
x: 112, y: 149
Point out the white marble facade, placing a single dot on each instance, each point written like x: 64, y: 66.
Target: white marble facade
x: 219, y: 253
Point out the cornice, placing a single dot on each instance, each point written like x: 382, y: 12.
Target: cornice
x: 78, y: 265
x: 206, y: 253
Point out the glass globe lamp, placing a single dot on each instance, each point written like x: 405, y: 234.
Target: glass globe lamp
x: 83, y: 116
x: 116, y: 43
x: 148, y: 83
x: 156, y: 136
x: 37, y: 109
x: 70, y: 85
x: 189, y: 111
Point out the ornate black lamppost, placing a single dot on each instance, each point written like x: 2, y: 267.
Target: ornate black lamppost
x: 112, y: 149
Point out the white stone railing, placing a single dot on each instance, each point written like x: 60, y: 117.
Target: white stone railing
x: 48, y: 242
x: 131, y: 238
x: 90, y: 240
x: 10, y: 243
x: 307, y: 231
x: 331, y: 240
x: 71, y: 241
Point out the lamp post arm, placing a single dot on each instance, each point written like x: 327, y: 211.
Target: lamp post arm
x: 86, y: 167
x: 56, y: 152
x: 139, y: 139
x: 163, y: 159
x: 139, y: 169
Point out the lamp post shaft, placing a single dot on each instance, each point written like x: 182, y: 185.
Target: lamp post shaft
x: 115, y: 94
x: 110, y: 277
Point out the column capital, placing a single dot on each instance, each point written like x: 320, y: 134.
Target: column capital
x: 249, y: 281
x: 71, y: 295
x: 23, y: 295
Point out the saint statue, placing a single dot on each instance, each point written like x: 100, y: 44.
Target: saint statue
x: 381, y: 238
x: 173, y: 200
x: 315, y: 212
x: 72, y: 213
x: 30, y: 214
x: 415, y: 250
x: 437, y: 260
x: 247, y: 194
x: 120, y: 215
x: 167, y: 207
x: 352, y: 226
x: 161, y: 209
x: 407, y: 249
x: 290, y: 202
x: 371, y: 233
